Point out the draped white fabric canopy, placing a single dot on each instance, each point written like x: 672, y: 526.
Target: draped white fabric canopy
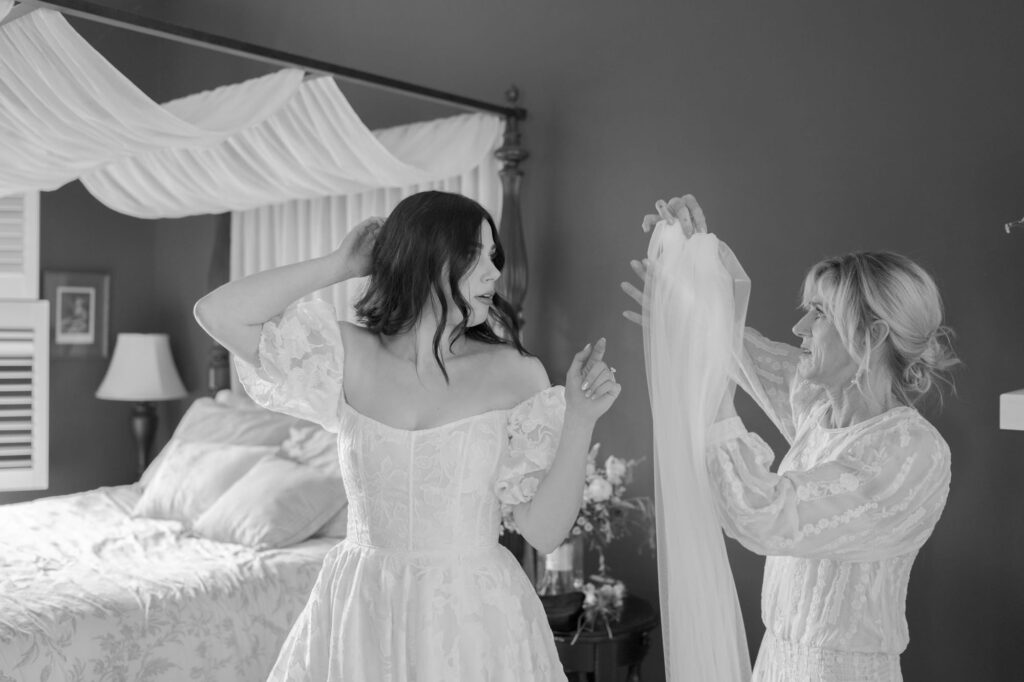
x: 314, y: 146
x: 65, y: 110
x: 66, y: 113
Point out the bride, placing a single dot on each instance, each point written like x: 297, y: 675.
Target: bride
x: 443, y: 427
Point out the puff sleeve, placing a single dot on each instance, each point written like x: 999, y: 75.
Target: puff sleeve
x: 534, y: 429
x: 880, y: 497
x: 767, y: 372
x: 299, y: 365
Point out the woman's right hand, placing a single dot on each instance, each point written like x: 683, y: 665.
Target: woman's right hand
x: 356, y: 248
x: 684, y: 210
x: 590, y: 385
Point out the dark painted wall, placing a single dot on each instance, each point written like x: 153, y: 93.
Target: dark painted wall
x: 806, y: 129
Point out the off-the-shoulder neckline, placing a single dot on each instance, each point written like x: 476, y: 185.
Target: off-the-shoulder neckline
x: 456, y: 422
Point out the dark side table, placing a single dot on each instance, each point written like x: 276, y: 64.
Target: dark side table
x: 597, y: 657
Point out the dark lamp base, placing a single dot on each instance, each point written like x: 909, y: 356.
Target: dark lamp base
x: 144, y: 428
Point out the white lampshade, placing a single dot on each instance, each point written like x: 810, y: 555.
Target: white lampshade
x: 141, y: 370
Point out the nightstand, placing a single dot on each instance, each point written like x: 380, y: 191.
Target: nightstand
x: 599, y: 658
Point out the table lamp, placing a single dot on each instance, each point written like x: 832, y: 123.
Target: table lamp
x: 142, y: 371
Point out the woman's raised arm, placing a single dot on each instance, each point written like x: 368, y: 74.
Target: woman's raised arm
x: 234, y: 313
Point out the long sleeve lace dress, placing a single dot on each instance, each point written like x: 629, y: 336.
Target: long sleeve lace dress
x: 841, y: 522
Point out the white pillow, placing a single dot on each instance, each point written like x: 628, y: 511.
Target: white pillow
x: 192, y: 477
x: 278, y: 503
x: 209, y: 421
x: 336, y: 527
x: 313, y: 445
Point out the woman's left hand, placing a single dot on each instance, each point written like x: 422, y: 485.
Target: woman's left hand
x: 640, y: 268
x: 590, y: 385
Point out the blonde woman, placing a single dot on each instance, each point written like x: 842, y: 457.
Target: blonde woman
x: 865, y: 478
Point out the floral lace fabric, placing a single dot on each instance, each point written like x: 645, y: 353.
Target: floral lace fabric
x: 841, y: 522
x: 420, y: 589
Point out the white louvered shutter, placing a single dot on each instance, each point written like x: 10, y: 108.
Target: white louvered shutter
x: 19, y: 246
x: 24, y: 395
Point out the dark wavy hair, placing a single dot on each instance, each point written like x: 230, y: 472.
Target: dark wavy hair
x: 426, y: 232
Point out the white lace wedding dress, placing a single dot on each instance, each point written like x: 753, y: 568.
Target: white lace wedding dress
x: 420, y: 590
x: 841, y: 522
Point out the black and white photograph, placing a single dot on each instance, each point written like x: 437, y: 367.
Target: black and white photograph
x: 493, y: 341
x: 76, y: 315
x: 79, y: 312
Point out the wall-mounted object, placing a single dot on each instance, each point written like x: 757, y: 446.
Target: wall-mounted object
x: 1011, y: 410
x: 80, y: 313
x: 142, y: 371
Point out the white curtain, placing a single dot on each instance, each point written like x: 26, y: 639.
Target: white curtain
x: 5, y: 7
x: 296, y: 230
x: 694, y: 308
x: 65, y: 110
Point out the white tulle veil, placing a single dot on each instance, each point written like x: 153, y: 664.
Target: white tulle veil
x: 695, y: 300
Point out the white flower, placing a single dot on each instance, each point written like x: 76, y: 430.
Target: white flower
x: 615, y: 469
x: 599, y: 490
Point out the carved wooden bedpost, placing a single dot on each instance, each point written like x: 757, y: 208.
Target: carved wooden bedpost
x: 218, y: 370
x: 514, y: 276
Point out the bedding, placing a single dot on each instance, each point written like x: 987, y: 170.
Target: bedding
x: 225, y: 420
x: 194, y: 476
x: 278, y: 503
x: 233, y: 419
x: 88, y: 592
x: 316, y: 447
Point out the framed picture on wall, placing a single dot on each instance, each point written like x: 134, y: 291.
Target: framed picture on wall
x: 79, y: 313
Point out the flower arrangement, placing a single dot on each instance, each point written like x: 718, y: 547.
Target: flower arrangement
x: 607, y: 514
x: 602, y: 600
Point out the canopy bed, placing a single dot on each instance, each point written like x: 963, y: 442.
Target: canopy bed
x: 186, y: 573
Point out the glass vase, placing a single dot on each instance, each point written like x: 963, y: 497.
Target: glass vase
x: 563, y: 569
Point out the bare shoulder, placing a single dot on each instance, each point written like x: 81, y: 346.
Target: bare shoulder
x: 523, y: 375
x: 355, y: 339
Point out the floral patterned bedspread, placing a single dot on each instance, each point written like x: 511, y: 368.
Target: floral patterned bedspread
x: 89, y: 593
